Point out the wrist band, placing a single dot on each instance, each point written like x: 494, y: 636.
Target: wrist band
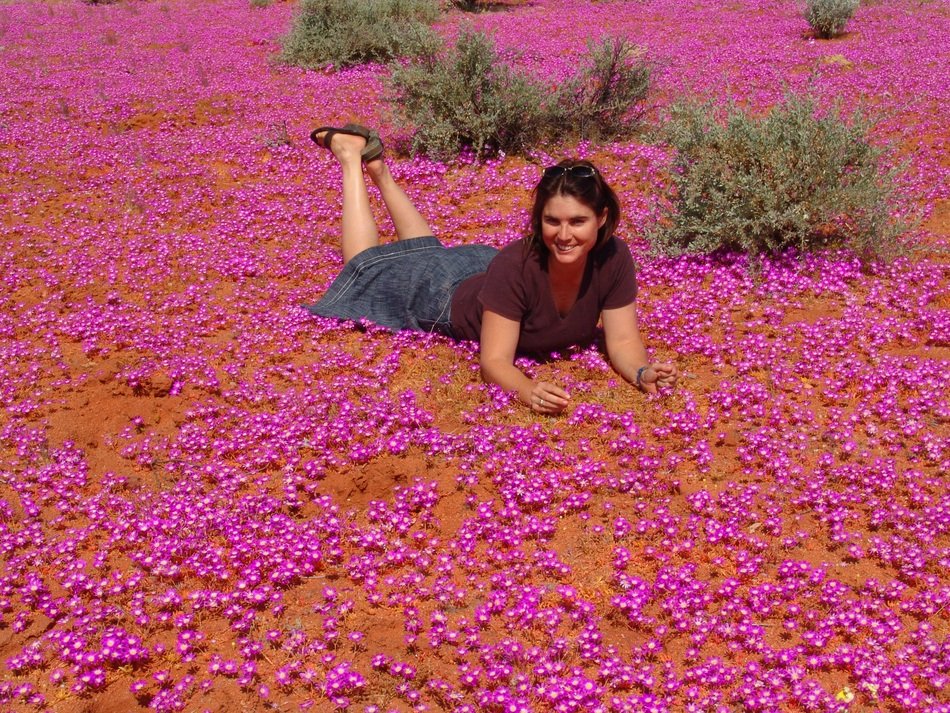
x: 640, y: 374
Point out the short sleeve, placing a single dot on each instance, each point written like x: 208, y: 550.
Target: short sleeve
x: 504, y: 289
x: 619, y: 275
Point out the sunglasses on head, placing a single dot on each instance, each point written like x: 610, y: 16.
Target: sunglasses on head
x: 576, y: 171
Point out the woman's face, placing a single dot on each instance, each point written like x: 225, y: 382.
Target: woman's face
x: 569, y: 229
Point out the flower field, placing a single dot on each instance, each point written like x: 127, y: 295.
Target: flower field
x: 211, y: 500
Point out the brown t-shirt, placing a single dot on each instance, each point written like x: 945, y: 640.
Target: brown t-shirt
x: 516, y: 286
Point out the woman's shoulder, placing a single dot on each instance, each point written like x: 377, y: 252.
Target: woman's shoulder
x: 614, y: 247
x: 516, y: 248
x: 516, y: 253
x: 613, y: 252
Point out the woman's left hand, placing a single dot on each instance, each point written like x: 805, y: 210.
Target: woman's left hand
x: 658, y: 375
x: 628, y: 355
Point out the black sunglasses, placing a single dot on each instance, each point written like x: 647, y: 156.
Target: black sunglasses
x: 576, y: 171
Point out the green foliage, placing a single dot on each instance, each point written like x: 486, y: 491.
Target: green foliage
x: 347, y: 32
x: 468, y: 97
x: 606, y: 96
x: 484, y: 5
x: 829, y: 17
x: 791, y: 179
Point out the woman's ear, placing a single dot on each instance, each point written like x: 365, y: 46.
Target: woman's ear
x: 602, y: 219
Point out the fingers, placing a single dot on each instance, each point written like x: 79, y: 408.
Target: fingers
x: 549, y: 398
x: 659, y: 375
x: 672, y: 374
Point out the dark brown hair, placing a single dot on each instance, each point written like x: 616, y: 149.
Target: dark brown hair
x: 592, y: 191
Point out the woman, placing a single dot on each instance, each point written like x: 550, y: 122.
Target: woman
x: 537, y: 295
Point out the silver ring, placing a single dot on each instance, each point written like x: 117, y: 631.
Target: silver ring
x: 540, y: 401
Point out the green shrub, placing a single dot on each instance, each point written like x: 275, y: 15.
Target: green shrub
x: 484, y: 5
x: 829, y: 17
x: 347, y: 32
x: 468, y: 97
x: 606, y: 96
x: 791, y: 179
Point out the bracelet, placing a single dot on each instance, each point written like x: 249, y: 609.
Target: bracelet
x: 640, y: 374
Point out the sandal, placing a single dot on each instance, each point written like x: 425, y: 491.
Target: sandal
x: 373, y: 149
x: 370, y: 152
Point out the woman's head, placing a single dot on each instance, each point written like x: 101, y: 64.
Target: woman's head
x: 582, y: 181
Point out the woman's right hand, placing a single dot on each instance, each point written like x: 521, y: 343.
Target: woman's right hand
x: 548, y: 398
x: 499, y: 340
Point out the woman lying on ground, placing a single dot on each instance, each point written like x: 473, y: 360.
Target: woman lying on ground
x: 539, y: 294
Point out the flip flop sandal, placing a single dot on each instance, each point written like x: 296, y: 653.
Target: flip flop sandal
x: 374, y: 144
x: 329, y: 131
x: 372, y: 150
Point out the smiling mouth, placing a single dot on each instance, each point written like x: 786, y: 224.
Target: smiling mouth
x: 564, y: 248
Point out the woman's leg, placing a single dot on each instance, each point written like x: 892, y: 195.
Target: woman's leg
x: 408, y: 222
x: 359, y: 226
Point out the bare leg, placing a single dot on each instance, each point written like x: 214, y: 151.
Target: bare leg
x: 359, y: 226
x: 408, y: 222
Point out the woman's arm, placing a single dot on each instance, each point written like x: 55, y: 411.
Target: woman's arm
x: 628, y: 355
x: 499, y: 342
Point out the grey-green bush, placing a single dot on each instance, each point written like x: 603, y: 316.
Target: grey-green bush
x: 467, y: 96
x: 484, y: 5
x: 828, y: 18
x: 348, y: 32
x: 793, y: 179
x: 606, y: 96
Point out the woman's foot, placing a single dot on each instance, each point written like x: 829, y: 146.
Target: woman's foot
x: 372, y: 145
x: 376, y: 168
x: 345, y: 146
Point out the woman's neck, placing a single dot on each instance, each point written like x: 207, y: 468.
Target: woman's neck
x: 566, y: 273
